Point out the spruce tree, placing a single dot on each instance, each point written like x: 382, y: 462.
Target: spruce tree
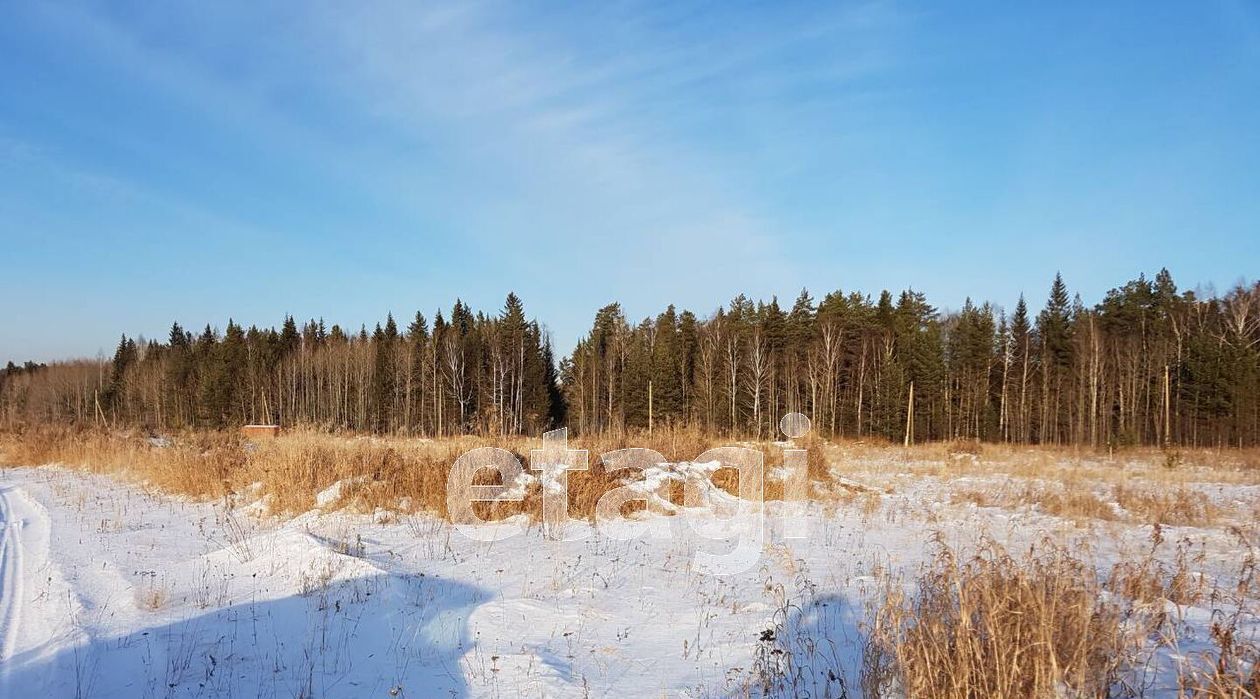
x: 115, y: 392
x: 1054, y: 330
x: 290, y: 340
x: 382, y: 403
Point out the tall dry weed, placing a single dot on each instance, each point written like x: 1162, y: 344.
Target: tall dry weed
x: 995, y: 625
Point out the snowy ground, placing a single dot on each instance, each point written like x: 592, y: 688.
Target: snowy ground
x: 110, y: 591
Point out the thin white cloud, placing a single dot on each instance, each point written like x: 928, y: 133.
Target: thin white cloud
x: 569, y: 145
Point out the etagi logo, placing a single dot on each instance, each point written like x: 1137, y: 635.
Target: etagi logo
x: 709, y: 513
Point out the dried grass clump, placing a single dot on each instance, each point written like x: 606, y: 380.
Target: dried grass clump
x: 199, y: 464
x: 1076, y: 503
x: 151, y: 594
x: 675, y: 444
x: 1152, y: 581
x: 1072, y: 501
x: 1179, y: 506
x: 979, y: 498
x: 964, y: 447
x: 993, y: 625
x: 1231, y: 671
x: 373, y: 472
x: 290, y: 469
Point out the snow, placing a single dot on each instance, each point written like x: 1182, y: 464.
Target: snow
x: 334, y: 493
x: 112, y: 591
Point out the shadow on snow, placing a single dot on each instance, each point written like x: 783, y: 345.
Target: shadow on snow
x: 812, y: 650
x: 383, y: 635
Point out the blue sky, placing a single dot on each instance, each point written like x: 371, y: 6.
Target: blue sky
x: 195, y: 161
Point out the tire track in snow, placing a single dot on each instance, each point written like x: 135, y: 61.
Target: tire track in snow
x: 10, y: 581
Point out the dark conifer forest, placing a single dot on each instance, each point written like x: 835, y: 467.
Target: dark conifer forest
x: 1148, y: 364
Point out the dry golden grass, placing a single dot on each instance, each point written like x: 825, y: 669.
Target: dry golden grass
x: 375, y: 472
x: 1150, y: 580
x: 1069, y: 502
x: 1232, y: 671
x: 992, y: 625
x: 957, y: 459
x: 1077, y: 504
x: 1139, y: 504
x: 1179, y: 506
x: 289, y: 470
x: 988, y: 624
x: 410, y: 474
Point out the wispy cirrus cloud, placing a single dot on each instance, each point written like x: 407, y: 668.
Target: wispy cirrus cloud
x: 398, y: 154
x: 496, y: 145
x: 606, y: 133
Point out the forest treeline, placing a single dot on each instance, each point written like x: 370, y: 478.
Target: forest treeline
x: 1146, y: 365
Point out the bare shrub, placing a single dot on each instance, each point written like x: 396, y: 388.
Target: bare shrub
x: 317, y: 578
x: 1149, y: 580
x: 1230, y: 671
x: 346, y: 542
x: 238, y: 538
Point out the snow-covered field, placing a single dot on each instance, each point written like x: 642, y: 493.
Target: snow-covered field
x: 112, y: 591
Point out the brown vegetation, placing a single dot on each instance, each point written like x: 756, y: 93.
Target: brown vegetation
x: 375, y: 472
x: 404, y: 474
x: 993, y: 624
x: 987, y: 623
x: 1179, y: 506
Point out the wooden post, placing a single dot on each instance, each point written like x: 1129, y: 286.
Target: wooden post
x: 1167, y: 408
x: 649, y: 406
x: 910, y: 416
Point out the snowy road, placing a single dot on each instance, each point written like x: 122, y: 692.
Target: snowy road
x: 28, y: 583
x: 10, y: 581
